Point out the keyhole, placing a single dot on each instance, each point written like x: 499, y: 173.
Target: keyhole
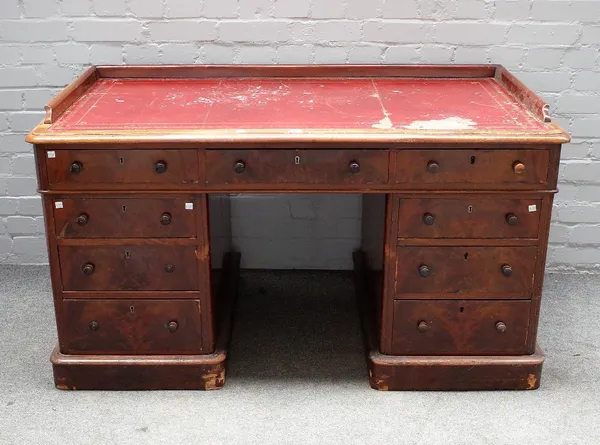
x: 127, y: 254
x: 297, y: 160
x: 121, y: 161
x: 472, y: 159
x: 466, y: 255
x: 462, y: 309
x: 470, y: 208
x: 124, y: 208
x: 131, y: 309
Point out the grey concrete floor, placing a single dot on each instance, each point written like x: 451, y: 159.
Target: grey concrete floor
x: 297, y: 376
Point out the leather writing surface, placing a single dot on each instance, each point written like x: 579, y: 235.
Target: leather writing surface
x: 297, y: 104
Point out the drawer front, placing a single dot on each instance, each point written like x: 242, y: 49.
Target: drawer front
x: 86, y: 168
x: 469, y: 218
x: 131, y: 327
x: 465, y: 272
x: 121, y: 217
x: 126, y: 268
x: 464, y: 167
x: 339, y: 167
x: 460, y: 327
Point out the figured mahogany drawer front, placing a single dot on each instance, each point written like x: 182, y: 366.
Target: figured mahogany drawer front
x: 125, y: 217
x: 343, y: 167
x: 469, y: 218
x: 460, y: 167
x: 465, y: 272
x: 86, y: 168
x: 131, y: 327
x: 460, y: 327
x: 123, y: 268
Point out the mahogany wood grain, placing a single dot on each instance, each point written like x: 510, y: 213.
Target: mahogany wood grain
x: 460, y: 168
x: 460, y: 327
x: 142, y: 372
x: 437, y: 372
x: 128, y: 267
x: 199, y: 71
x: 110, y: 167
x: 275, y: 167
x: 465, y: 272
x: 482, y: 175
x: 469, y: 217
x: 281, y: 138
x: 125, y: 217
x: 373, y: 241
x: 219, y: 239
x: 132, y: 327
x: 131, y: 294
x: 544, y: 235
x: 468, y: 242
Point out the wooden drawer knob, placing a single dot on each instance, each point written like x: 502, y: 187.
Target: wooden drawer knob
x: 428, y: 219
x: 160, y: 167
x: 94, y: 326
x: 240, y: 167
x: 507, y: 270
x: 512, y: 219
x: 354, y: 167
x: 501, y: 327
x: 83, y: 219
x: 76, y: 167
x: 422, y: 327
x: 172, y: 326
x: 519, y: 167
x: 165, y: 219
x: 424, y: 271
x: 88, y: 268
x: 433, y: 167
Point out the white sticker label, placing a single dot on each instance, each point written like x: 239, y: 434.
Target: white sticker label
x: 58, y: 204
x: 533, y: 208
x: 189, y: 206
x: 51, y: 154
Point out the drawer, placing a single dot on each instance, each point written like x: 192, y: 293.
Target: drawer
x: 465, y: 272
x: 121, y: 217
x: 131, y: 327
x: 88, y: 168
x: 126, y: 268
x: 339, y: 167
x: 469, y: 218
x: 460, y: 168
x: 460, y: 327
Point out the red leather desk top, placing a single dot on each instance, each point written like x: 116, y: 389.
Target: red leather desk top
x: 297, y: 104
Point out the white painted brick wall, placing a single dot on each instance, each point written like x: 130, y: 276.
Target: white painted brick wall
x: 553, y: 45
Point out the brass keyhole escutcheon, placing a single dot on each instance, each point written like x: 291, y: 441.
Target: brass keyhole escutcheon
x: 472, y: 159
x: 124, y: 209
x: 127, y: 254
x: 297, y: 160
x: 470, y: 209
x: 131, y: 309
x: 121, y: 161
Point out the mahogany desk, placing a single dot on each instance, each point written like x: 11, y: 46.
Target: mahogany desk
x: 457, y: 166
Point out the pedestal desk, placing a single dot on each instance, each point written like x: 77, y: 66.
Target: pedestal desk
x: 457, y: 168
